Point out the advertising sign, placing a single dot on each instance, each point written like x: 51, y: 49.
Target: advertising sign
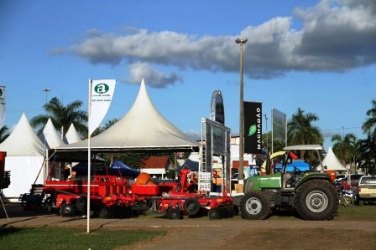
x: 101, y: 97
x: 279, y: 126
x: 252, y: 127
x: 217, y: 111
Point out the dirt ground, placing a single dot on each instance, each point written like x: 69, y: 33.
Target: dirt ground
x: 231, y: 233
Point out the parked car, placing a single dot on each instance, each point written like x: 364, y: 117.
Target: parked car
x: 366, y: 190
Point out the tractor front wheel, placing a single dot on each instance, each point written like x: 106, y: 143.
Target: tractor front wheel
x: 255, y: 206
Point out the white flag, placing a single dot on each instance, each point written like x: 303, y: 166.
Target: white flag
x: 2, y: 105
x: 100, y: 100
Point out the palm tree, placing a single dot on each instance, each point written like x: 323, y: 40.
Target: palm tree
x: 301, y: 131
x: 62, y: 116
x: 4, y: 133
x: 368, y: 154
x: 369, y: 125
x: 345, y: 147
x: 369, y: 144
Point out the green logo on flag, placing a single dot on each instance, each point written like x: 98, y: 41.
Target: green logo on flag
x: 101, y: 88
x: 252, y: 130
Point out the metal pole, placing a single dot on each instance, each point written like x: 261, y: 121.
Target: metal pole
x: 241, y: 43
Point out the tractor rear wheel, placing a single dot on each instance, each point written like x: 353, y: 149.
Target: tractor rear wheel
x: 316, y: 200
x: 255, y: 206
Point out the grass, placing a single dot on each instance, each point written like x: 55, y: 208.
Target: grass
x: 70, y: 238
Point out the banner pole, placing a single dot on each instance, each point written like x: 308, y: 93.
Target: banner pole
x: 88, y: 164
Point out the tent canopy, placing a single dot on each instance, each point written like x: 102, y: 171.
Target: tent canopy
x: 50, y: 135
x: 23, y: 141
x: 72, y: 135
x: 143, y: 128
x: 331, y: 161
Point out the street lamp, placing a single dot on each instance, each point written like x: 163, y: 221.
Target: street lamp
x: 46, y: 90
x: 241, y: 42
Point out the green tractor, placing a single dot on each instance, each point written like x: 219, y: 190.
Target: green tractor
x: 309, y: 191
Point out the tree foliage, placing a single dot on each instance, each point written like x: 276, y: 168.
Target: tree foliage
x: 62, y: 116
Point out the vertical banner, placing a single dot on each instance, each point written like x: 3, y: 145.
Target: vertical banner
x: 2, y: 105
x: 101, y: 97
x: 279, y: 127
x: 253, y: 127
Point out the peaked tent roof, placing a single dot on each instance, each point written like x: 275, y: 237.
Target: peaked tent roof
x: 72, y: 135
x: 331, y: 161
x: 50, y: 135
x: 23, y: 141
x: 142, y: 128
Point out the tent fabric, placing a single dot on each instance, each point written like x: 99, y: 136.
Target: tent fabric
x: 50, y: 136
x: 72, y: 135
x: 23, y: 141
x: 142, y: 128
x: 331, y: 162
x: 23, y: 173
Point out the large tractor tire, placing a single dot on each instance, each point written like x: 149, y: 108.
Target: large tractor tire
x: 255, y: 206
x: 316, y: 200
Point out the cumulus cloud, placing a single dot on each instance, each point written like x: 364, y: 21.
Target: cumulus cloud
x: 158, y: 79
x: 336, y: 35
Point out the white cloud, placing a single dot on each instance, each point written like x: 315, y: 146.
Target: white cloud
x: 336, y: 35
x: 139, y: 71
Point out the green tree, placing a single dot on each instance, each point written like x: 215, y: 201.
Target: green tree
x: 345, y: 147
x: 301, y: 131
x: 105, y: 126
x: 62, y: 116
x: 369, y: 144
x: 368, y: 155
x: 369, y: 126
x: 4, y: 133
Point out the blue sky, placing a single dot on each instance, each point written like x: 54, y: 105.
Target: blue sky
x: 316, y: 55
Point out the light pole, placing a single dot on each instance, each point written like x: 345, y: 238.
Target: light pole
x: 267, y: 137
x: 241, y: 42
x: 46, y: 90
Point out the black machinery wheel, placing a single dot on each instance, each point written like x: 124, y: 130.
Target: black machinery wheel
x: 192, y: 206
x: 67, y: 210
x: 174, y: 214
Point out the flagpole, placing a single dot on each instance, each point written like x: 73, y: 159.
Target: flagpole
x: 88, y: 164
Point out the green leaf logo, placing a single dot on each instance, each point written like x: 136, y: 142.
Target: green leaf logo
x: 252, y: 130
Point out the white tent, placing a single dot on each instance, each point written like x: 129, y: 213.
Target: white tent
x: 50, y: 136
x: 142, y: 128
x: 72, y: 135
x: 25, y: 156
x: 331, y: 161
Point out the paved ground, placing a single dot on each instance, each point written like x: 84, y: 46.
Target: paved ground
x: 202, y: 233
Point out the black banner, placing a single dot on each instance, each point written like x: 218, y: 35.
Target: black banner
x: 252, y: 127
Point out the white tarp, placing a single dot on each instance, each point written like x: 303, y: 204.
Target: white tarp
x: 331, y: 161
x: 23, y: 172
x: 51, y: 138
x: 72, y: 135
